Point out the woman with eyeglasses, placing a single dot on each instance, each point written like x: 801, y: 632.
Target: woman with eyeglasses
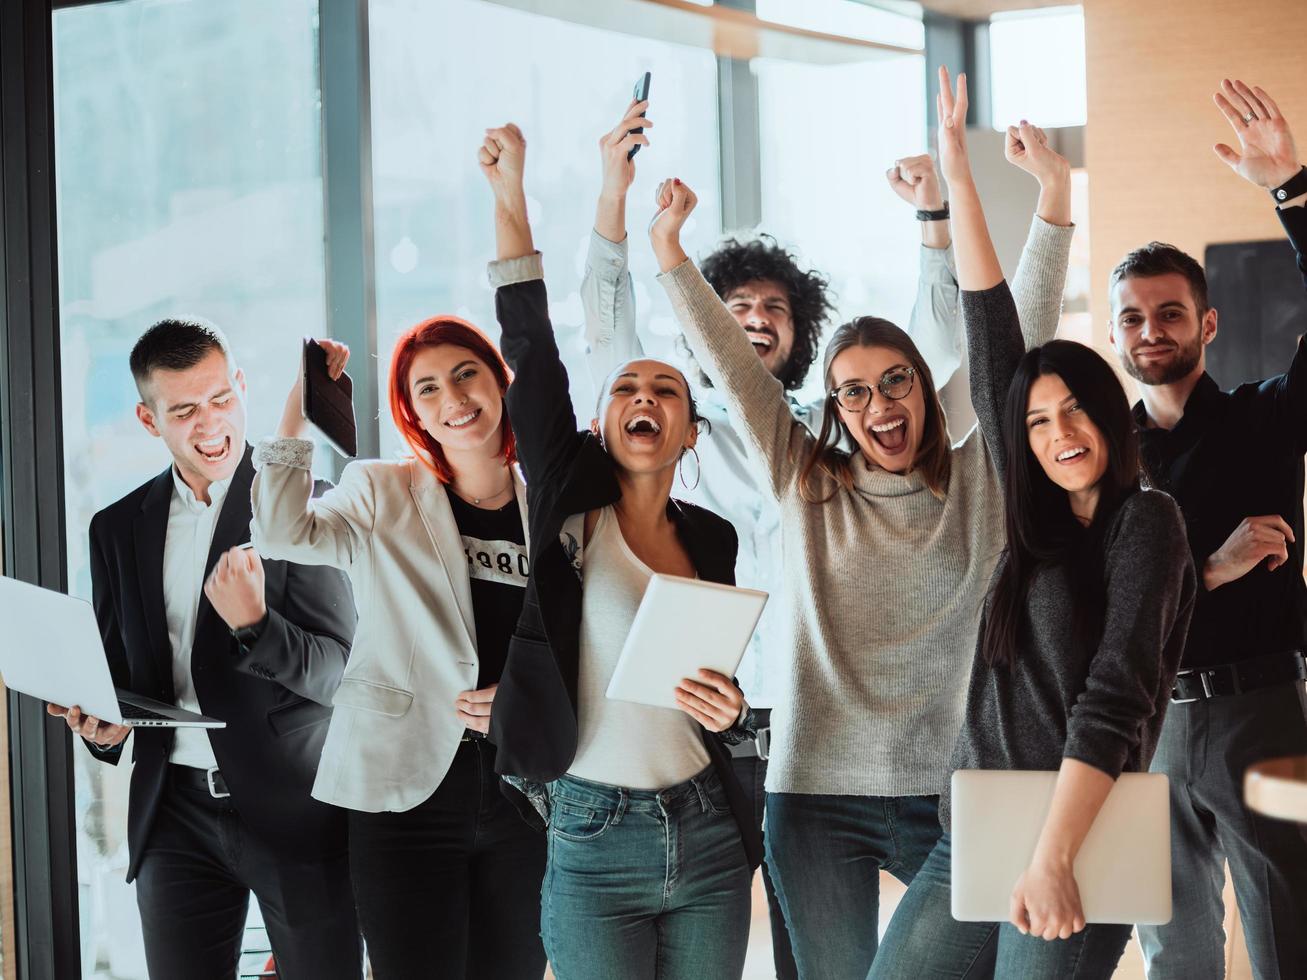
x: 888, y: 551
x: 1082, y: 632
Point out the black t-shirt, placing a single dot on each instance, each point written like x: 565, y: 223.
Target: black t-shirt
x: 497, y: 566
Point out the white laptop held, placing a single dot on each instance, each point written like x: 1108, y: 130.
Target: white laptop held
x: 682, y: 625
x: 1123, y: 869
x: 52, y: 650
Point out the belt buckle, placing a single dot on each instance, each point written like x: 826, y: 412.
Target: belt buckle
x: 1185, y: 673
x: 209, y: 774
x: 764, y: 742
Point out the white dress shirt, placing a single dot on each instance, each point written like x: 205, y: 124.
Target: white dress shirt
x: 185, y: 552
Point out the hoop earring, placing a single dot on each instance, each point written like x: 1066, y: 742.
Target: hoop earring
x: 698, y: 468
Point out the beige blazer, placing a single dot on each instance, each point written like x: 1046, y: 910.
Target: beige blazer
x: 389, y: 526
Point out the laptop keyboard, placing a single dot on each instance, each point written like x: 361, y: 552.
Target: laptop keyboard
x: 133, y: 713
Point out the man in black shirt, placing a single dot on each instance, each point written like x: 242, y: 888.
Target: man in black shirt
x: 1234, y: 462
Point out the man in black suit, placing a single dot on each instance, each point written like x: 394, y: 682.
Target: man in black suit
x: 191, y: 618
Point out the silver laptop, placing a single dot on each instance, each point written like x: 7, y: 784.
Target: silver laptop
x: 683, y: 624
x: 51, y: 649
x: 1123, y: 869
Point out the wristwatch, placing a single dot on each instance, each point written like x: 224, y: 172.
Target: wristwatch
x: 939, y: 215
x: 249, y: 635
x: 1291, y: 188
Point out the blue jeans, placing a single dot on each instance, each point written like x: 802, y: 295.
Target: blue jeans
x: 925, y: 941
x: 644, y: 885
x: 827, y: 853
x: 1205, y: 748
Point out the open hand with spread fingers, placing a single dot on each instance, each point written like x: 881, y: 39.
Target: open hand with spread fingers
x: 713, y: 700
x: 502, y: 156
x: 914, y: 179
x: 1266, y: 155
x: 951, y: 107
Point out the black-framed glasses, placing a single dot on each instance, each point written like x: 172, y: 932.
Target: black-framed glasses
x: 854, y: 396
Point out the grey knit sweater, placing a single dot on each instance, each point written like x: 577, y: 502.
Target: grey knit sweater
x: 1101, y: 703
x: 884, y: 582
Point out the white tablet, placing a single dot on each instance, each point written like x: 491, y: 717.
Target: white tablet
x: 683, y: 625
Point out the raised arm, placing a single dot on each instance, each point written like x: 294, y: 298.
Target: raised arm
x: 606, y: 293
x: 1267, y: 158
x: 289, y: 523
x: 988, y: 313
x: 934, y: 325
x: 1040, y: 278
x: 539, y: 401
x: 754, y: 397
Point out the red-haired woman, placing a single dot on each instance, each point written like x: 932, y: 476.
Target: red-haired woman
x: 446, y: 874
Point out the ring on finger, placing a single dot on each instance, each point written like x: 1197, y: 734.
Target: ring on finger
x: 1249, y: 117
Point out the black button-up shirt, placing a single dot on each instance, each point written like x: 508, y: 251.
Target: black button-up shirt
x: 1233, y: 455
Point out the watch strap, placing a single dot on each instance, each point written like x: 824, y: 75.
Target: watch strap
x: 1295, y: 186
x: 939, y: 215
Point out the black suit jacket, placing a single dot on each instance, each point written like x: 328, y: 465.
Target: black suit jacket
x: 275, y: 697
x: 534, y: 724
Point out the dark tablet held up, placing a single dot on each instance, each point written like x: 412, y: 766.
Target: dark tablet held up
x: 640, y: 94
x: 329, y: 404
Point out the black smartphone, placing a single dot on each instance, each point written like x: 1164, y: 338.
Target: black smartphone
x: 640, y: 93
x: 329, y: 404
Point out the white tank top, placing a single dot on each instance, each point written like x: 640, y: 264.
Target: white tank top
x: 623, y: 744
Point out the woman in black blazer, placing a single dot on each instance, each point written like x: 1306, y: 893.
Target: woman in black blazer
x: 651, y: 845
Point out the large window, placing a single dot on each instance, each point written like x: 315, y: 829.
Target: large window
x: 1037, y: 60
x: 824, y: 192
x: 438, y: 80
x: 189, y: 182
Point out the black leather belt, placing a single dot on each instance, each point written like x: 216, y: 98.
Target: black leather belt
x: 203, y: 780
x: 1225, y: 680
x: 472, y: 735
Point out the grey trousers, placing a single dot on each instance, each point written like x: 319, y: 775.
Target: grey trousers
x: 1205, y: 748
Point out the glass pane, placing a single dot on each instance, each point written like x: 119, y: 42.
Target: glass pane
x: 434, y: 92
x: 838, y: 213
x: 1037, y: 60
x: 848, y: 18
x: 189, y: 182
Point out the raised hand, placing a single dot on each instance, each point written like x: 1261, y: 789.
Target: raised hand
x: 914, y: 180
x: 1266, y: 155
x: 615, y: 147
x: 675, y: 202
x: 951, y: 107
x: 502, y: 157
x: 293, y: 424
x: 713, y: 700
x: 1026, y: 146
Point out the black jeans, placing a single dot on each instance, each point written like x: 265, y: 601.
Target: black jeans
x: 193, y: 890
x: 752, y: 774
x: 1205, y: 749
x: 451, y: 888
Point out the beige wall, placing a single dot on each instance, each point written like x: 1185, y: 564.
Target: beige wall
x: 1152, y: 66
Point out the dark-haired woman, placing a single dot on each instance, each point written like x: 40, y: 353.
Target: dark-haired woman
x: 887, y: 554
x: 1082, y: 631
x: 446, y: 874
x: 651, y: 844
